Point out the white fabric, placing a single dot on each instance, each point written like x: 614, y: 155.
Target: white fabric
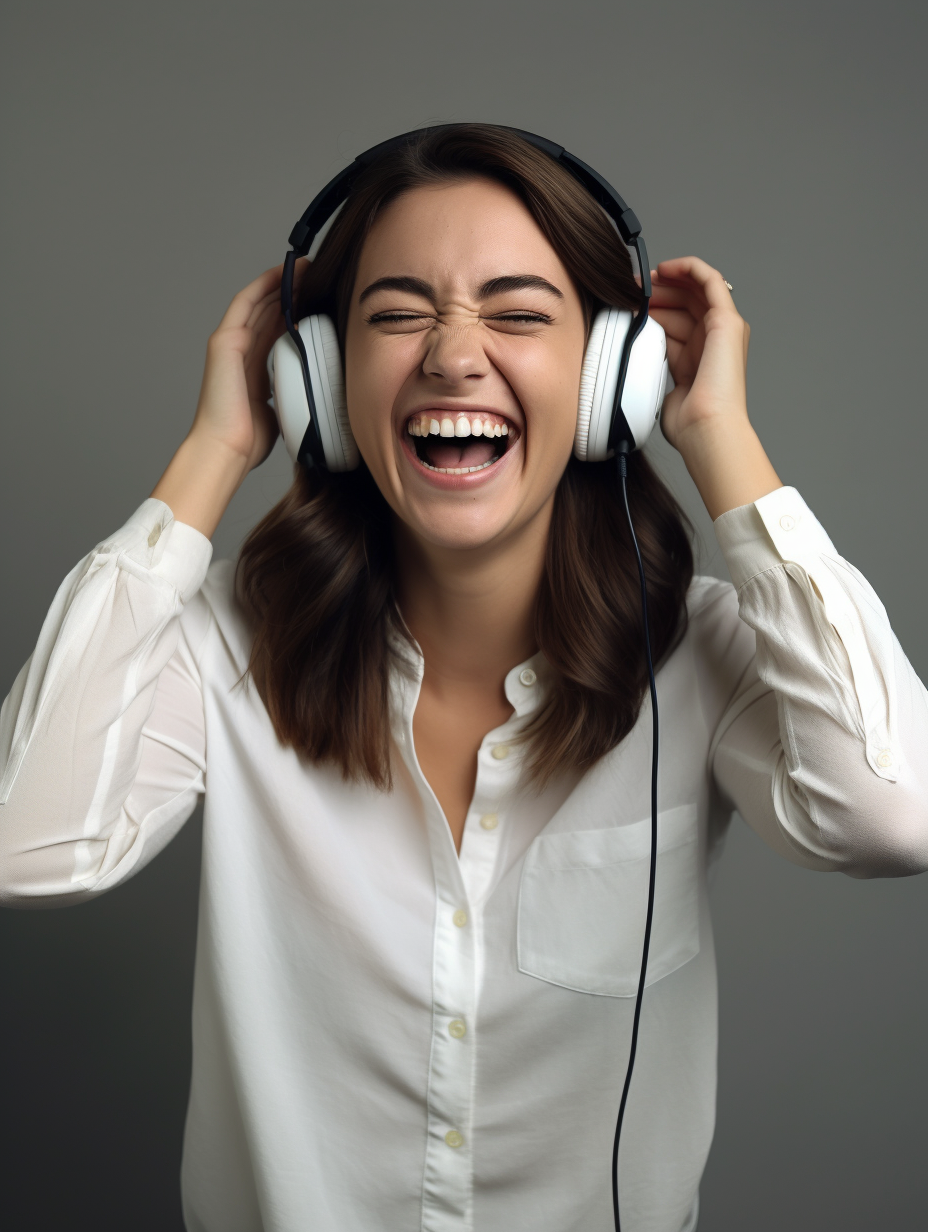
x: 343, y: 944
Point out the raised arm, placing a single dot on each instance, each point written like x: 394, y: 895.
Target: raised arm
x: 234, y: 429
x: 101, y: 738
x: 102, y: 748
x: 824, y: 746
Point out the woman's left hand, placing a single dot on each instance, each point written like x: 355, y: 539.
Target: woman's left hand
x: 705, y: 416
x: 707, y: 347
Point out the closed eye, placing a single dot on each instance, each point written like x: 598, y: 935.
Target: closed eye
x: 398, y: 318
x: 517, y: 321
x: 541, y: 317
x: 408, y: 317
x: 394, y: 316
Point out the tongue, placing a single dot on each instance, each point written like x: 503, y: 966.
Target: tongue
x: 447, y: 454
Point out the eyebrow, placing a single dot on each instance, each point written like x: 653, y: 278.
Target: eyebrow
x: 414, y: 286
x: 493, y: 286
x: 517, y: 282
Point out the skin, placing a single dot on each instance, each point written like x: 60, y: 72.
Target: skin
x: 471, y: 552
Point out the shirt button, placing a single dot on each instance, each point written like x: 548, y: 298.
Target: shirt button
x: 788, y: 522
x: 528, y: 677
x: 154, y: 536
x: 885, y: 758
x: 453, y: 1138
x: 457, y: 1028
x: 489, y: 821
x: 459, y: 918
x: 500, y: 751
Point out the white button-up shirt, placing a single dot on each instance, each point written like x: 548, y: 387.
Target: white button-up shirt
x: 388, y: 1036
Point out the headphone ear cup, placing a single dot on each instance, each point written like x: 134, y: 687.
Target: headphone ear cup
x: 598, y: 379
x: 646, y: 379
x: 288, y: 393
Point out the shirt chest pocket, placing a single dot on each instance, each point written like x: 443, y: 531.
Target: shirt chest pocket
x: 583, y: 901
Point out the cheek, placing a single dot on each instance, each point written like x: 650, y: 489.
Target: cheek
x: 374, y: 376
x: 549, y: 392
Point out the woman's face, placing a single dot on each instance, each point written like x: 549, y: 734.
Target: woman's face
x: 464, y: 345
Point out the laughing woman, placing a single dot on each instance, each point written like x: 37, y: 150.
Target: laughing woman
x: 417, y: 709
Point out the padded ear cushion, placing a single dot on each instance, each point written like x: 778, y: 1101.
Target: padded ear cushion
x: 598, y: 379
x: 288, y: 393
x: 328, y: 386
x: 594, y: 347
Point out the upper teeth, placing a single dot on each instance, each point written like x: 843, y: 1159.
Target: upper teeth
x: 478, y: 425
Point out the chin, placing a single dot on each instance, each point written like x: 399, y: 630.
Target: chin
x: 455, y: 529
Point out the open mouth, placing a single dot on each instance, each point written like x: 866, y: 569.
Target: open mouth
x: 460, y: 444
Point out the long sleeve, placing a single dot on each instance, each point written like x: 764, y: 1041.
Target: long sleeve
x: 102, y: 745
x: 823, y: 748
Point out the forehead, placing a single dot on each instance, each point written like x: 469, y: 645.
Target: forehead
x: 465, y: 232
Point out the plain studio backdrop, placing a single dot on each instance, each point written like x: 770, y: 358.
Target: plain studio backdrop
x: 155, y: 159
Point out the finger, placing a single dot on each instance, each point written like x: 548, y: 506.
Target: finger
x: 675, y: 354
x: 270, y: 303
x: 675, y: 322
x: 266, y: 316
x: 273, y: 296
x: 680, y: 293
x: 243, y: 304
x: 264, y: 335
x: 683, y: 291
x: 682, y: 360
x: 265, y: 329
x: 299, y: 273
x: 669, y: 294
x: 701, y: 274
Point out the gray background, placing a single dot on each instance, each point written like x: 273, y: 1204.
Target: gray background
x: 156, y: 157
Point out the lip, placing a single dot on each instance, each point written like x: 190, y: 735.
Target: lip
x: 457, y: 483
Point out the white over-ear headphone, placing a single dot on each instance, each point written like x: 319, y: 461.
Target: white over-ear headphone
x: 642, y: 396
x: 624, y: 375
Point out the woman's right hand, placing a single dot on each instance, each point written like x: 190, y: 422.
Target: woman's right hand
x: 232, y: 409
x: 234, y: 429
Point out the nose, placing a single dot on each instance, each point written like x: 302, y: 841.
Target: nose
x: 455, y: 354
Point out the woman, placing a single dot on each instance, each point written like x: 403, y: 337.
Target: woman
x: 416, y: 711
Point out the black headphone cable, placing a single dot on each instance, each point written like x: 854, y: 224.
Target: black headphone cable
x: 622, y: 460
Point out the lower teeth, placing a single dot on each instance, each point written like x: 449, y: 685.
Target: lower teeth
x: 457, y: 470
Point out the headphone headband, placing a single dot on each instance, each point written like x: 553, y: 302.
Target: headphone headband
x: 327, y: 201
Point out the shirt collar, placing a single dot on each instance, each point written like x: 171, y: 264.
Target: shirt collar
x: 525, y: 684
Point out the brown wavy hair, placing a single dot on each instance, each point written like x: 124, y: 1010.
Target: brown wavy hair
x: 315, y: 576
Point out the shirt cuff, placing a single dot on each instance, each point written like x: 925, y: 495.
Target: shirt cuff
x: 778, y: 528
x: 164, y: 547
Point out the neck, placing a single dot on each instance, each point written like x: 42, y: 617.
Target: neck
x: 472, y: 610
